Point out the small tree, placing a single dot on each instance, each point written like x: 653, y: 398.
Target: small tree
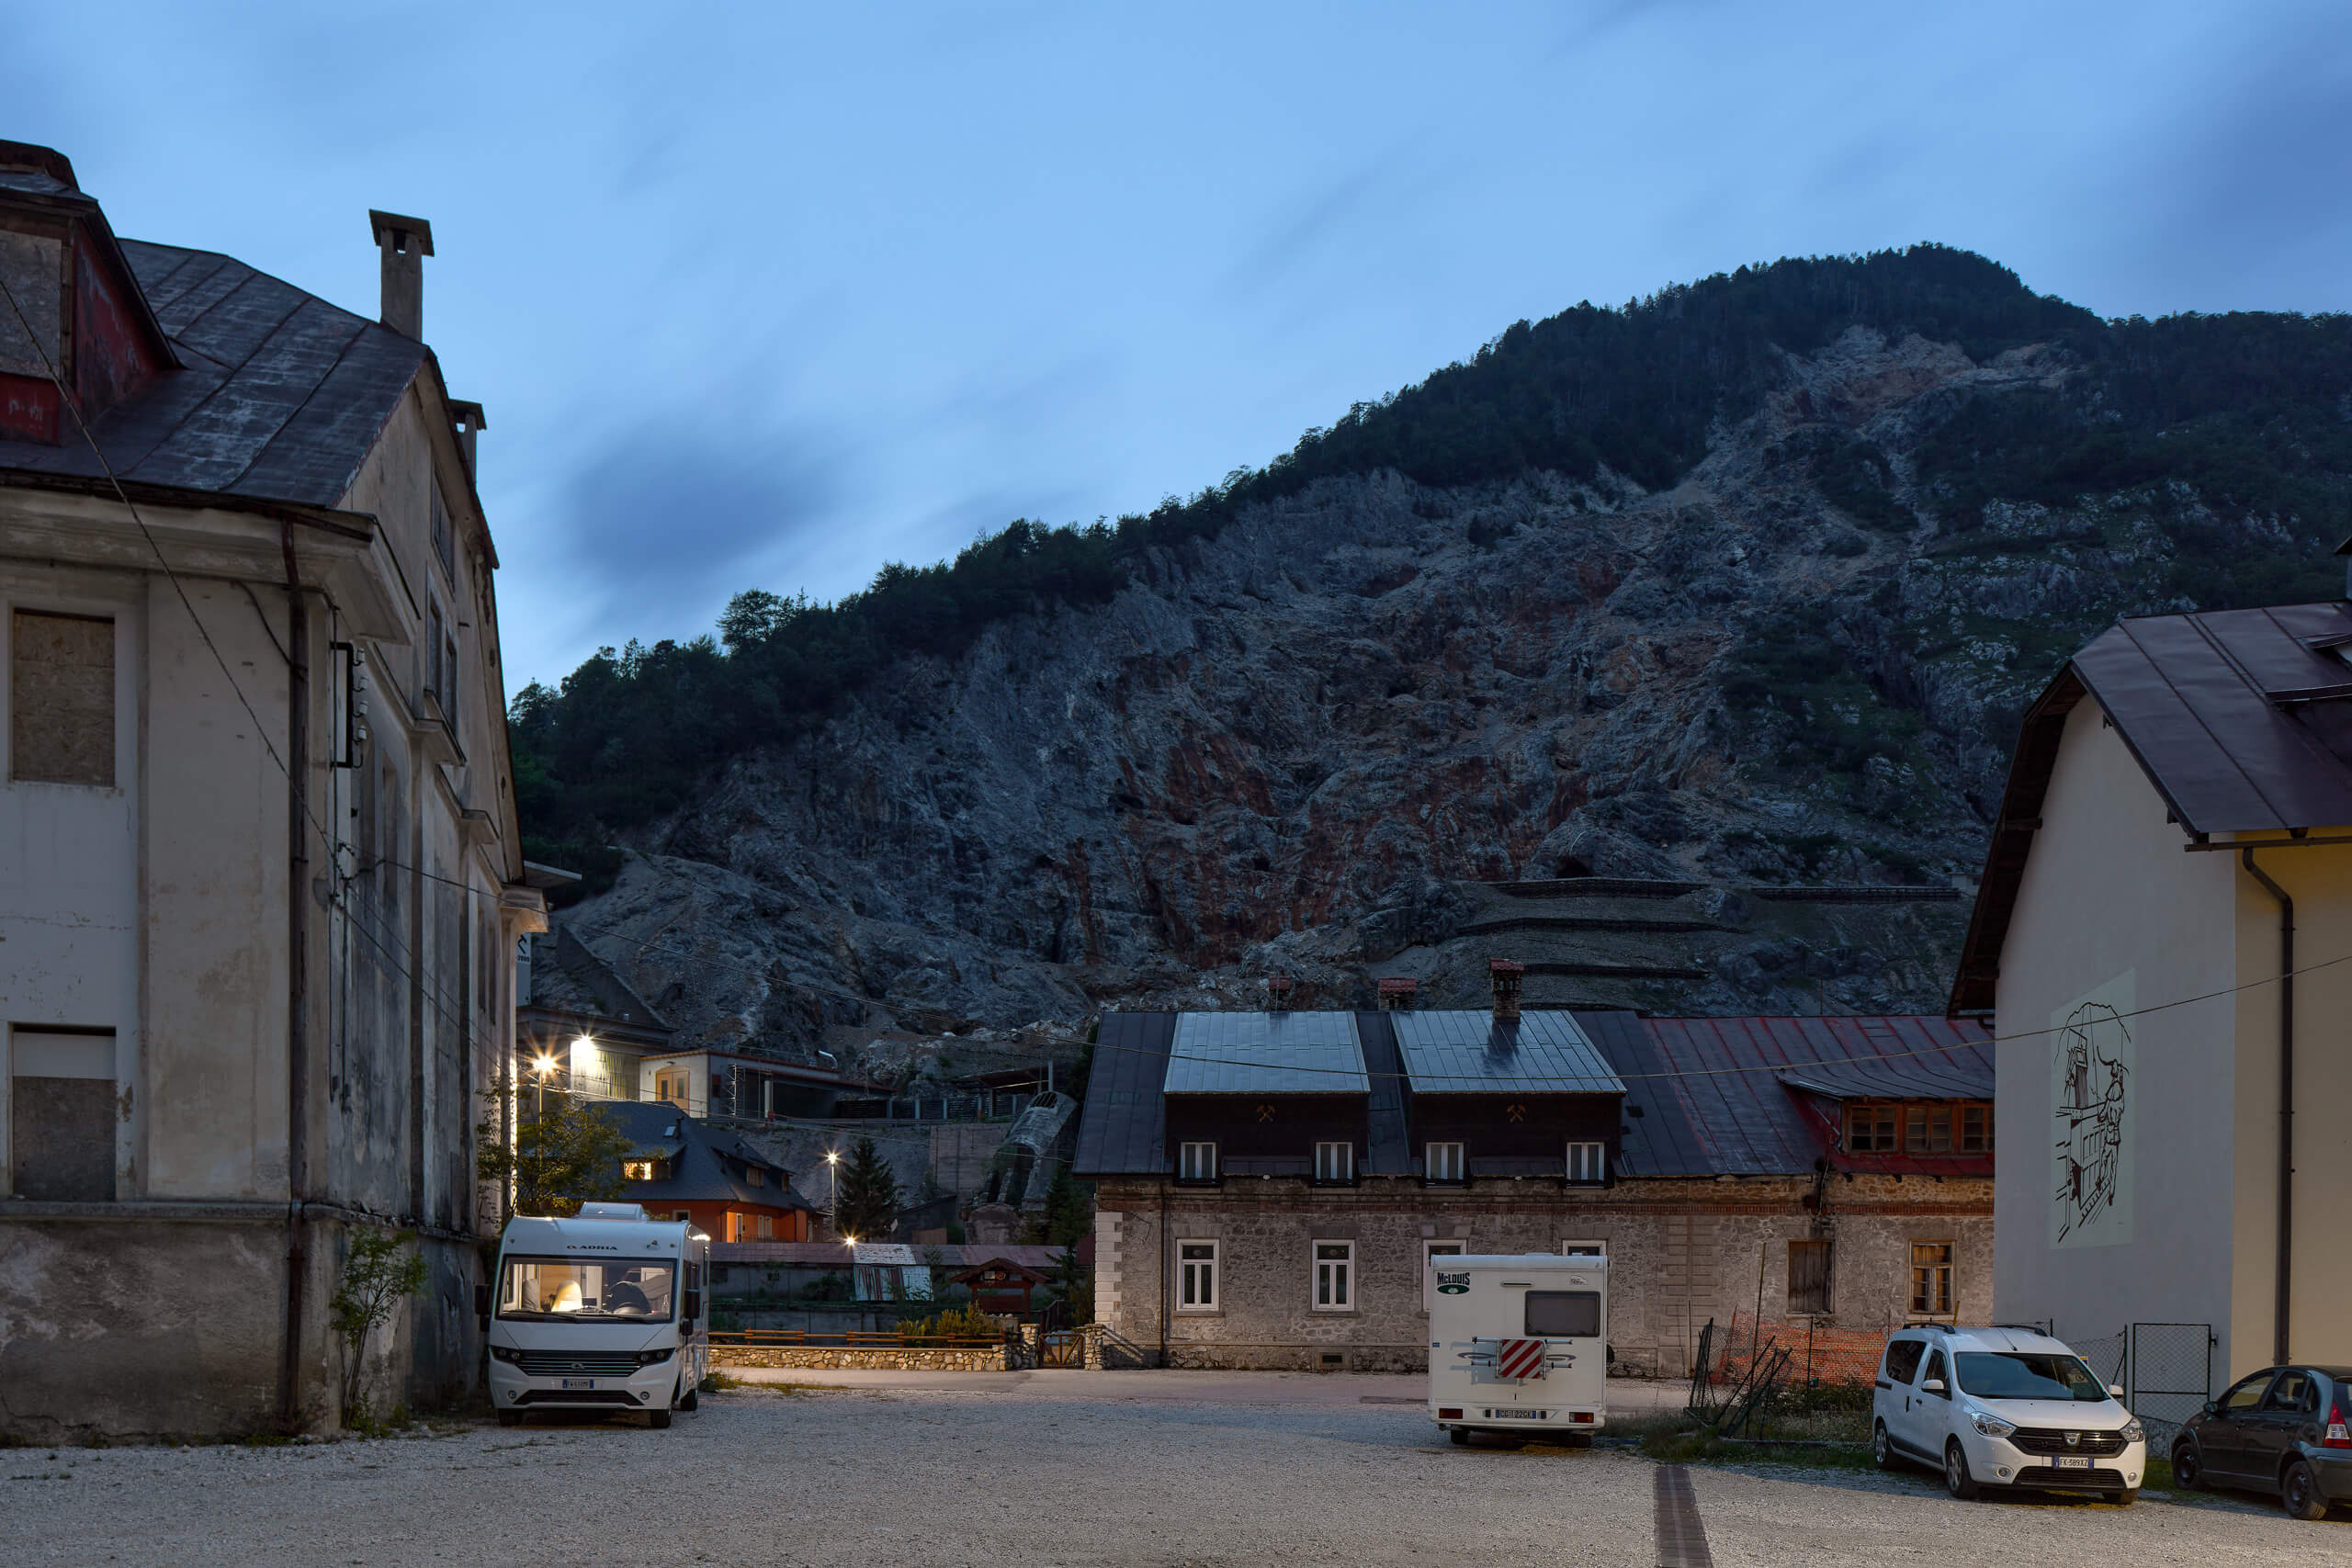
x: 380, y: 1274
x: 868, y: 1202
x: 564, y: 1153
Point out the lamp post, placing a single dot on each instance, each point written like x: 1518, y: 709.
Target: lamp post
x: 582, y: 1045
x: 833, y: 1181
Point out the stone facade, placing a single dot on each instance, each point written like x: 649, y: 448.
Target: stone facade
x: 894, y: 1358
x: 1680, y: 1252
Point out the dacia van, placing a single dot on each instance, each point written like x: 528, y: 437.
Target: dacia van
x: 2003, y: 1407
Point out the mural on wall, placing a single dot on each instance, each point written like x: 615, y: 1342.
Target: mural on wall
x: 2091, y: 1065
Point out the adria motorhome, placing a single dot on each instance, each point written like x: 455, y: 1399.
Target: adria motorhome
x: 600, y: 1311
x: 1520, y: 1345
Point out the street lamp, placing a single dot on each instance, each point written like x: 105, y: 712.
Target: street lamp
x: 833, y: 1181
x: 580, y: 1043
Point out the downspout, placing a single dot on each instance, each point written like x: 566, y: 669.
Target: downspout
x: 2286, y: 1247
x: 298, y: 890
x: 1167, y: 1262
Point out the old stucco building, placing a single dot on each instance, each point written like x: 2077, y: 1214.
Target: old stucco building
x: 1270, y: 1186
x: 2160, y: 946
x: 259, y: 865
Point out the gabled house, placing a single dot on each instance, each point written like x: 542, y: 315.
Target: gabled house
x: 263, y: 866
x: 2159, y: 944
x: 1270, y: 1186
x: 678, y: 1167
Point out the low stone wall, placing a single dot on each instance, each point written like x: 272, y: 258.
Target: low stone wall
x: 880, y: 1358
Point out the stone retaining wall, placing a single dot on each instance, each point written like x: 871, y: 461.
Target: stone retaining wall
x: 911, y: 1359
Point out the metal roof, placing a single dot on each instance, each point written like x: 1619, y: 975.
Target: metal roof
x: 1388, y: 1143
x: 1121, y: 1127
x: 280, y: 398
x: 1266, y: 1052
x: 699, y: 1171
x: 1469, y: 1052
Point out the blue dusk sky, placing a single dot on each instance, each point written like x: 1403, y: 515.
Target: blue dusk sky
x: 767, y: 296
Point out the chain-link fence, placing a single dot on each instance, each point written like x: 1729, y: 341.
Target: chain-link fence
x: 2171, y: 1376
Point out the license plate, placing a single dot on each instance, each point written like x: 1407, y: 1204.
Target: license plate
x: 2071, y: 1462
x: 591, y: 1382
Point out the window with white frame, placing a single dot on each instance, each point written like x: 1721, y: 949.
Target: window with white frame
x: 1196, y: 1276
x: 1444, y: 1162
x: 1584, y: 1249
x: 1588, y: 1162
x: 1335, y: 1276
x: 1334, y: 1162
x: 1429, y: 1276
x: 1196, y: 1162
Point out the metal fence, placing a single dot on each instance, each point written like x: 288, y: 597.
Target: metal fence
x: 2171, y: 1376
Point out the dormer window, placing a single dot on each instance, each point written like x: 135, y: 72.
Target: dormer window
x: 1196, y: 1162
x: 754, y: 1176
x: 1869, y: 1129
x: 1334, y: 1162
x: 640, y: 1170
x: 1589, y: 1162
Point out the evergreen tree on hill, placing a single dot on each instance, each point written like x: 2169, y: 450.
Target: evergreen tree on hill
x: 865, y: 1206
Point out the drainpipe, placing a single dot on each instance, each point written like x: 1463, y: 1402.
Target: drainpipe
x: 1167, y: 1262
x: 2286, y: 1247
x: 298, y: 889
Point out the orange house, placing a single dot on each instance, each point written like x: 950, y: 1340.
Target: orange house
x: 678, y: 1167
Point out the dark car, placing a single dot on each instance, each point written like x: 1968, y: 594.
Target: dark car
x: 2285, y: 1429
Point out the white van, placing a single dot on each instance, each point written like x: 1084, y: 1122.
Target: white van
x: 602, y: 1312
x: 1518, y: 1344
x: 2003, y: 1407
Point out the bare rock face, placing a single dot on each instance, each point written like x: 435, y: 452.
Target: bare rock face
x: 1305, y: 744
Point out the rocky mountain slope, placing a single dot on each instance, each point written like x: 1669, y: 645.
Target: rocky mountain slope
x: 1311, y: 742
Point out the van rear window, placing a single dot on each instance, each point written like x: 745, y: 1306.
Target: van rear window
x: 1902, y: 1358
x: 1564, y: 1315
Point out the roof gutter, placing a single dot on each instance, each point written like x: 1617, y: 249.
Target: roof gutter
x: 2284, y: 1278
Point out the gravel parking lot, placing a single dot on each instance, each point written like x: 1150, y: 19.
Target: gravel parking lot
x: 1166, y: 1468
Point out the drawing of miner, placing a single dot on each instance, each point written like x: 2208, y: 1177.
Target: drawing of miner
x: 2090, y: 1119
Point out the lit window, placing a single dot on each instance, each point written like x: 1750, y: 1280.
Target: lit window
x: 1335, y: 1267
x: 1196, y: 1276
x: 1436, y: 1249
x: 1196, y: 1162
x: 1445, y: 1162
x: 640, y: 1170
x: 1869, y: 1129
x: 1588, y: 1162
x: 1334, y: 1162
x: 1931, y: 1278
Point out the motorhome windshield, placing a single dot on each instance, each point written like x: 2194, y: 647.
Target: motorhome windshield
x: 2011, y: 1374
x: 541, y: 1290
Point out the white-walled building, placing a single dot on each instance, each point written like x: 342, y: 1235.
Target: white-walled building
x: 259, y: 861
x: 2175, y: 838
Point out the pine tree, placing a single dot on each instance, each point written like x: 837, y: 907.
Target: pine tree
x: 866, y: 1206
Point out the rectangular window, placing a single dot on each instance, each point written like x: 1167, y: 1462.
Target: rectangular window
x: 434, y: 680
x: 1564, y: 1315
x: 670, y: 1084
x: 1444, y: 1162
x: 1584, y: 1249
x: 1869, y: 1129
x: 60, y: 699
x: 450, y: 676
x: 1335, y: 1267
x: 1976, y: 1129
x: 1196, y: 1162
x: 1931, y: 1278
x: 754, y: 1176
x: 767, y: 1227
x: 1196, y: 1276
x: 1429, y: 1276
x: 62, y: 1116
x: 1808, y: 1279
x: 1334, y: 1162
x: 640, y: 1170
x: 1588, y: 1162
x: 1927, y: 1129
x: 444, y: 543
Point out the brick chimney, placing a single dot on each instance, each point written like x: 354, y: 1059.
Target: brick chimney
x: 1278, y: 993
x: 405, y: 242
x: 1396, y: 993
x: 1504, y: 975
x: 467, y: 417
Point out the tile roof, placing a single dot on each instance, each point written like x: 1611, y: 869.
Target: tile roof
x: 1266, y: 1052
x: 280, y: 398
x: 1466, y: 1051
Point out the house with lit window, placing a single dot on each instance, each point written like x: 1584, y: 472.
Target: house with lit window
x: 1270, y: 1186
x: 263, y: 869
x: 2159, y: 944
x: 680, y: 1168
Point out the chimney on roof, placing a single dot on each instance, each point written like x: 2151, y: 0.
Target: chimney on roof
x: 1504, y: 975
x: 405, y: 242
x: 1396, y: 993
x: 1278, y: 993
x: 467, y: 417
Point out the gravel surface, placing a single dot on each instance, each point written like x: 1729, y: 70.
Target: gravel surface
x: 1145, y: 1471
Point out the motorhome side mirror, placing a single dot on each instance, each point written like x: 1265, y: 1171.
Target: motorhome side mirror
x: 694, y: 1306
x: 2115, y: 1391
x: 1933, y: 1386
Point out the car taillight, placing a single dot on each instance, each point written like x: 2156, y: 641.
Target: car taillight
x: 2339, y: 1432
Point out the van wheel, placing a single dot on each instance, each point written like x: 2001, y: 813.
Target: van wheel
x: 658, y: 1419
x: 1882, y: 1447
x: 510, y: 1417
x: 1461, y: 1436
x: 2299, y: 1492
x: 1957, y: 1481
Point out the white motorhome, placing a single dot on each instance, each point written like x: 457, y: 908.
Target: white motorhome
x: 1518, y: 1344
x: 604, y: 1311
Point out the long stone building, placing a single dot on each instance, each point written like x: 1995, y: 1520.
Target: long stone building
x: 260, y: 873
x: 1271, y: 1185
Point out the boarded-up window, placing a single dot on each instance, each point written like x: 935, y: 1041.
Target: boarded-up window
x: 60, y: 699
x: 61, y: 1117
x: 1808, y: 1278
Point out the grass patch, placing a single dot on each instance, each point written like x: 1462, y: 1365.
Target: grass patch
x: 1700, y: 1446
